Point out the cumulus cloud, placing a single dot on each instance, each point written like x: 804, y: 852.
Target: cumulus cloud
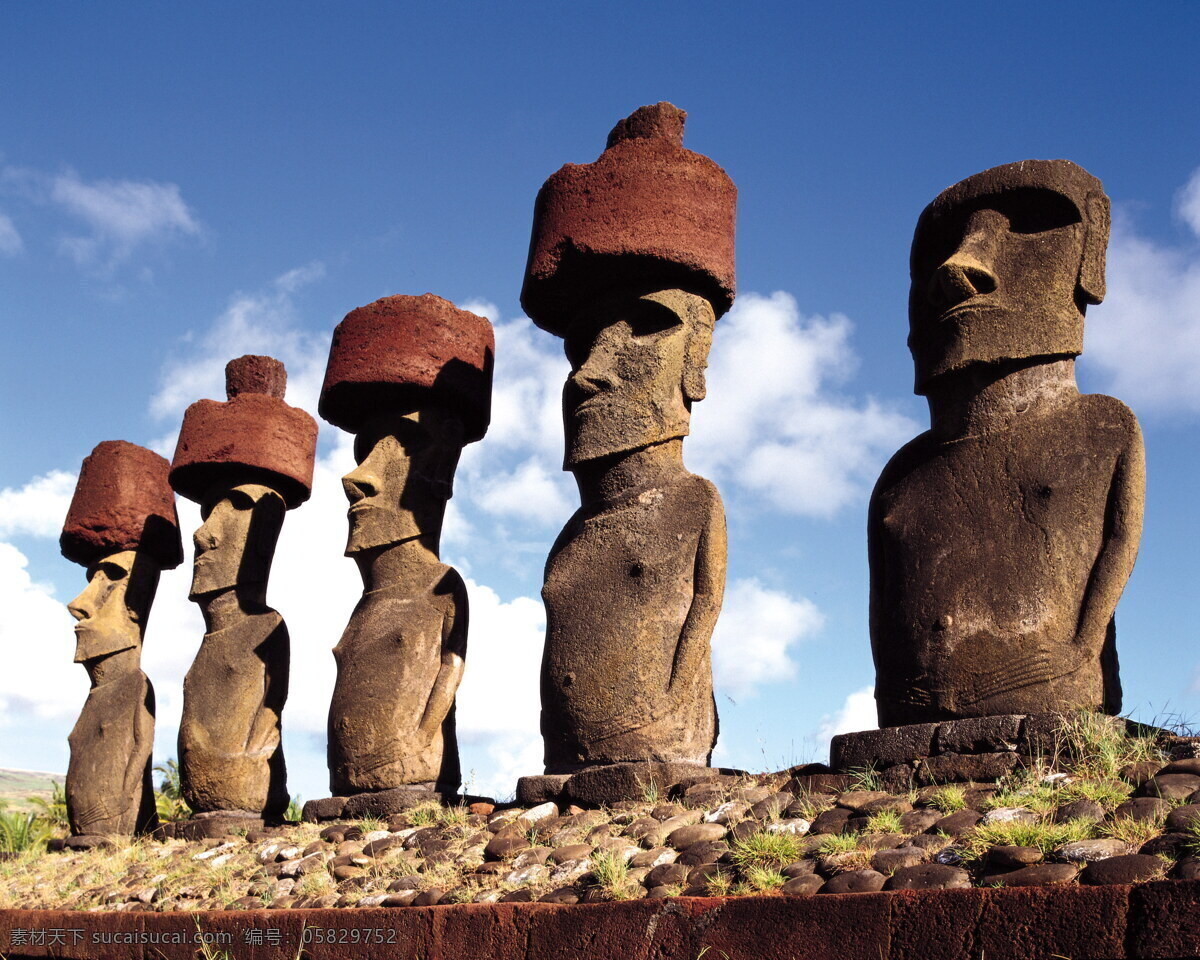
x: 120, y: 217
x: 773, y: 422
x: 756, y: 634
x: 10, y: 240
x: 39, y: 508
x: 264, y: 322
x: 38, y: 643
x: 1145, y: 337
x: 857, y: 713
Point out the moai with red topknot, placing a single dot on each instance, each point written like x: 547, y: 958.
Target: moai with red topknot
x: 1001, y: 538
x: 631, y: 263
x: 122, y: 526
x: 246, y: 461
x: 411, y: 378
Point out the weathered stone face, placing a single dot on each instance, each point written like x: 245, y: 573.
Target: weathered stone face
x: 404, y: 476
x: 637, y: 363
x: 1000, y: 540
x: 236, y: 542
x: 1003, y: 265
x: 113, y: 608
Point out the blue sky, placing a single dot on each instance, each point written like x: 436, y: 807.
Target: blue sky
x: 183, y: 184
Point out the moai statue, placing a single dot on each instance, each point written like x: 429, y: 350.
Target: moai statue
x: 246, y: 462
x: 411, y: 378
x: 1001, y: 538
x: 631, y: 263
x: 122, y: 526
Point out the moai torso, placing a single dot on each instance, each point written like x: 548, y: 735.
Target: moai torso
x: 1001, y: 539
x: 230, y: 732
x: 117, y: 721
x: 388, y: 663
x: 984, y: 555
x: 620, y: 589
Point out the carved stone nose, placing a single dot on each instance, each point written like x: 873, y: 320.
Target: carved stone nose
x: 960, y: 278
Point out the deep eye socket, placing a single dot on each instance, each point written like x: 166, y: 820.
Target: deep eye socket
x: 648, y: 318
x: 1035, y: 211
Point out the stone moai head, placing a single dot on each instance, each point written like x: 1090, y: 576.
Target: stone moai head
x: 631, y: 263
x: 122, y: 526
x: 1003, y: 267
x: 411, y: 377
x: 246, y: 462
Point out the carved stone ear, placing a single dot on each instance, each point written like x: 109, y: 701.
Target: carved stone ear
x: 1095, y: 245
x: 695, y: 360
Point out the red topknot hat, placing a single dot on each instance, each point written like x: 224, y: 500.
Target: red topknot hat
x: 646, y: 213
x: 253, y: 437
x: 122, y: 502
x: 401, y: 352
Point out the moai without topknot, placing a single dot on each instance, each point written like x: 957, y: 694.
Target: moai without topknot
x: 411, y: 378
x: 631, y: 263
x: 246, y: 461
x: 122, y: 526
x: 1001, y: 539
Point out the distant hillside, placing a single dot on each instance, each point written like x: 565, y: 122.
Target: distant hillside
x: 16, y: 786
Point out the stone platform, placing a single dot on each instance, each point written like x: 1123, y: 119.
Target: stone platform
x: 614, y: 782
x: 975, y: 749
x: 385, y: 803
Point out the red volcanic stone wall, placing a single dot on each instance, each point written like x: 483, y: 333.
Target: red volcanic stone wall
x: 1154, y: 920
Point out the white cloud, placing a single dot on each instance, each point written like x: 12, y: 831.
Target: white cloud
x: 1146, y: 334
x: 39, y: 508
x: 758, y: 628
x: 38, y: 681
x: 857, y: 713
x: 527, y: 492
x: 1188, y: 204
x: 773, y: 423
x: 262, y: 323
x: 122, y: 215
x: 10, y: 240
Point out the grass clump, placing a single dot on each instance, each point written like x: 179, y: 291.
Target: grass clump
x: 1095, y: 746
x: 1107, y: 793
x: 766, y: 850
x: 762, y: 879
x: 1043, y: 835
x: 948, y: 798
x: 865, y: 778
x: 423, y: 815
x: 1128, y: 830
x: 886, y: 821
x: 1192, y: 845
x: 611, y: 873
x: 832, y: 844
